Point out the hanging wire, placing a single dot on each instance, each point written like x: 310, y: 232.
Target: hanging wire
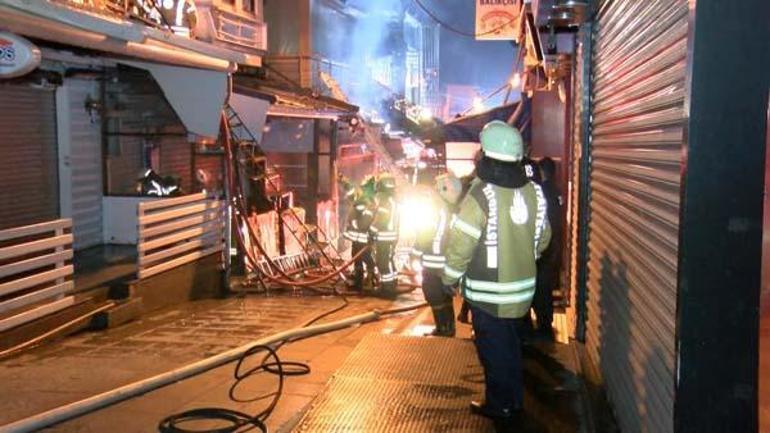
x: 454, y: 29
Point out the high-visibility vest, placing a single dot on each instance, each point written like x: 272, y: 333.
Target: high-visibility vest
x: 384, y: 228
x: 431, y: 242
x: 493, y: 244
x: 359, y: 221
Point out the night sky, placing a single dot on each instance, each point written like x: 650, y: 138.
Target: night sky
x: 486, y: 64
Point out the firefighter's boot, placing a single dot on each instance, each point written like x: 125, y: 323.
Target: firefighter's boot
x: 444, y: 318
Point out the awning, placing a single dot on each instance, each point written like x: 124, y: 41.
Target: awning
x: 468, y: 128
x: 292, y: 101
x: 252, y: 109
x: 196, y: 95
x: 56, y: 23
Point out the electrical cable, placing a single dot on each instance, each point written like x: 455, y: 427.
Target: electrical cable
x: 236, y: 421
x: 454, y: 29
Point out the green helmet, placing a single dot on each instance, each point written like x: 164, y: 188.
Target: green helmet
x: 502, y: 141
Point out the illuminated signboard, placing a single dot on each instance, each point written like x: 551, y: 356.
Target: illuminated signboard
x: 18, y: 56
x: 497, y: 20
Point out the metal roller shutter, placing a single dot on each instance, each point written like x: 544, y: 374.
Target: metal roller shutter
x: 86, y: 165
x: 574, y: 182
x: 29, y: 191
x: 638, y: 91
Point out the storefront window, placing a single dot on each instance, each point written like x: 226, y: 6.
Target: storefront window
x: 143, y: 133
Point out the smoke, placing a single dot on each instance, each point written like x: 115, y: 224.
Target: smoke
x: 374, y: 51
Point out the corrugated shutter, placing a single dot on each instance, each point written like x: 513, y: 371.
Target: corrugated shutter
x: 638, y: 79
x: 574, y: 182
x: 86, y: 165
x: 29, y: 189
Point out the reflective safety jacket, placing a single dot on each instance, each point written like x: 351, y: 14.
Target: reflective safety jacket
x: 493, y: 244
x: 359, y: 221
x: 384, y: 228
x: 430, y: 244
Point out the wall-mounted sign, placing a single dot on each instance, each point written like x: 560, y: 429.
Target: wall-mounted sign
x: 497, y: 20
x: 18, y: 56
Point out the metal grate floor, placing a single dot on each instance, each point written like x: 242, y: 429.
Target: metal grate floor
x: 401, y: 384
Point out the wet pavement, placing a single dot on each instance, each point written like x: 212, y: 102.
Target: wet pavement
x: 94, y: 362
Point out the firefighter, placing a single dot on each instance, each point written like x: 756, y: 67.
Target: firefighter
x: 500, y: 230
x: 357, y: 231
x: 384, y: 234
x: 429, y: 250
x: 549, y: 265
x: 369, y: 188
x: 150, y: 183
x: 532, y: 170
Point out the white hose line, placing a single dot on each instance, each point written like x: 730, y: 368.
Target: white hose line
x: 108, y: 398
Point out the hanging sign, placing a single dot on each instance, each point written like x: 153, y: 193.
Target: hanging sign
x: 496, y: 20
x: 18, y: 56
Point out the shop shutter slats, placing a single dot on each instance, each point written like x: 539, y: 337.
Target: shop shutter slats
x: 86, y: 165
x: 637, y: 106
x: 576, y: 161
x: 29, y: 189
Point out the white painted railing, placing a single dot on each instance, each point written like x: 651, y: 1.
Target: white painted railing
x: 177, y: 231
x: 35, y: 271
x: 287, y: 263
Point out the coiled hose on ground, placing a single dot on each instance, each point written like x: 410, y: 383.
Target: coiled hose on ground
x: 108, y: 398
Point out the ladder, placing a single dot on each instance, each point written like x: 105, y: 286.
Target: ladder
x: 240, y: 134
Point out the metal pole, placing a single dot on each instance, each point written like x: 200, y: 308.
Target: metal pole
x: 227, y: 167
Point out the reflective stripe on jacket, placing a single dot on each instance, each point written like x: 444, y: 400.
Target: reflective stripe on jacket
x: 430, y: 243
x: 493, y: 245
x: 359, y: 221
x: 384, y: 227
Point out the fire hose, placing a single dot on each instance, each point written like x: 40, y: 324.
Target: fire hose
x: 235, y: 187
x: 108, y: 398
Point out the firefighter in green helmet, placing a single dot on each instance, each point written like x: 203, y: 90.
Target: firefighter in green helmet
x: 429, y: 249
x: 359, y: 219
x: 500, y: 230
x: 384, y: 234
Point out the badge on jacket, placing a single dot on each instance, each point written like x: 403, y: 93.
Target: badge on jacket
x: 519, y: 212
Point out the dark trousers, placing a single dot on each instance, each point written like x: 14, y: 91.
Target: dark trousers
x: 383, y: 252
x: 433, y: 290
x: 499, y: 349
x: 358, y: 266
x: 547, y: 280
